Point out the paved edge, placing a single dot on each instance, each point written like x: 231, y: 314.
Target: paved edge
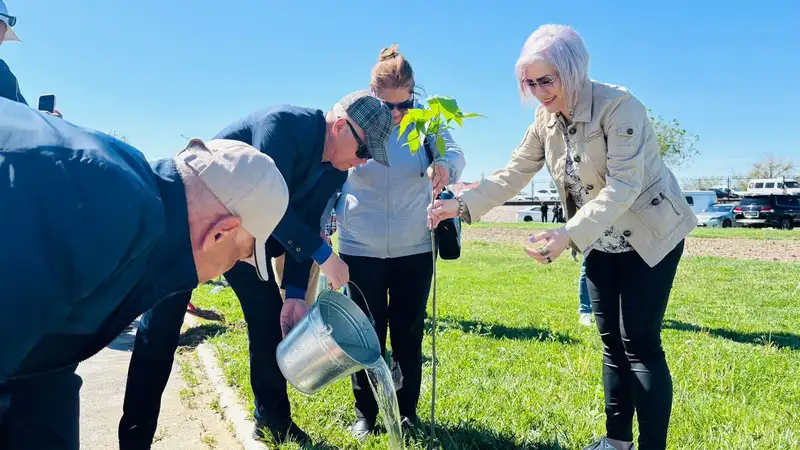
x: 235, y: 413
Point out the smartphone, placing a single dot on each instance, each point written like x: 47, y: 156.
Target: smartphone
x: 47, y: 103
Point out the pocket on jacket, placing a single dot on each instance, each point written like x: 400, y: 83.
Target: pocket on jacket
x: 657, y: 208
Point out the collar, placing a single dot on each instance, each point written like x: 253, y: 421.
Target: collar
x: 174, y: 253
x: 583, y: 107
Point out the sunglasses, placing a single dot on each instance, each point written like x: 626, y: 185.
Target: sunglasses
x: 544, y: 82
x: 408, y: 104
x: 10, y: 20
x: 363, y: 151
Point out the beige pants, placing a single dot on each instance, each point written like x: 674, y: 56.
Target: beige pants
x: 313, y: 279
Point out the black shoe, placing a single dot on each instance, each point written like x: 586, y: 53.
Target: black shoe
x: 280, y: 434
x: 362, y: 428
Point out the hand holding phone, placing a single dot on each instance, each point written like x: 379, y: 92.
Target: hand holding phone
x: 47, y: 103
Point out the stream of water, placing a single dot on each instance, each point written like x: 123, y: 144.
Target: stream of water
x: 380, y: 380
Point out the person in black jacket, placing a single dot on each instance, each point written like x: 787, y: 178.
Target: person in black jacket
x: 94, y: 235
x: 9, y: 87
x: 313, y: 150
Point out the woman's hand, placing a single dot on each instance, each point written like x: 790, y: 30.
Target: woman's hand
x: 441, y: 210
x: 556, y: 241
x: 439, y: 175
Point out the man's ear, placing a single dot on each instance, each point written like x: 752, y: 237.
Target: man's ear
x: 338, y: 126
x: 224, y: 228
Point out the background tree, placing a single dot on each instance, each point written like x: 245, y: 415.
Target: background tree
x: 772, y: 166
x: 677, y: 145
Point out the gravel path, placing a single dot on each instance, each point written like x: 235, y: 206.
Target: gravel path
x: 751, y: 249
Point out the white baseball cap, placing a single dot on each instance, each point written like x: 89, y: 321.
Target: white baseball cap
x: 247, y: 182
x: 10, y: 21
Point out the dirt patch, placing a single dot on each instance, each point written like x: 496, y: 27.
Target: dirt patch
x: 749, y: 249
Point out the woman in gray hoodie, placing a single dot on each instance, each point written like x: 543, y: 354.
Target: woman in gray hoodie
x: 384, y: 239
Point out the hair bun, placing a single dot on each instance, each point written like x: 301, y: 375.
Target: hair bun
x: 388, y: 53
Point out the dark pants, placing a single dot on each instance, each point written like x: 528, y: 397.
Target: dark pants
x: 544, y: 216
x: 156, y: 342
x: 407, y: 280
x: 43, y: 413
x: 629, y: 299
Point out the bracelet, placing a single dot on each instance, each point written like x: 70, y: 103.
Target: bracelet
x: 462, y: 208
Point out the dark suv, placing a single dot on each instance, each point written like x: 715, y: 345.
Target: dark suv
x: 769, y: 210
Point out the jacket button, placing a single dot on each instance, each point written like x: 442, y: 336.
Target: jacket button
x: 627, y: 233
x: 298, y: 249
x: 577, y: 158
x: 590, y: 186
x: 655, y: 201
x: 573, y: 131
x: 630, y: 130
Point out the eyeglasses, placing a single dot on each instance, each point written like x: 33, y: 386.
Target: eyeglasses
x: 363, y: 151
x: 408, y: 104
x: 10, y: 20
x: 545, y: 82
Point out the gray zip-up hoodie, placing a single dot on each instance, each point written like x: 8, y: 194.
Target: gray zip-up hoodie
x: 382, y: 212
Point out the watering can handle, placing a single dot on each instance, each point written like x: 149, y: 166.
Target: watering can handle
x: 366, y: 303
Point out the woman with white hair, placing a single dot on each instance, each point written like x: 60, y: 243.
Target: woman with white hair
x: 625, y: 213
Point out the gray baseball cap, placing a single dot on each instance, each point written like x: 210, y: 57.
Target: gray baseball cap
x: 370, y: 113
x: 247, y: 182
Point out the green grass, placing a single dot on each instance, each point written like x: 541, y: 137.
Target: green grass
x: 516, y: 370
x: 740, y: 233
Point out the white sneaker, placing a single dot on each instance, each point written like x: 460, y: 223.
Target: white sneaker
x: 603, y: 444
x: 586, y: 319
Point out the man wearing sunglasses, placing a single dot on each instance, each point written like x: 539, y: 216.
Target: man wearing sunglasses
x: 313, y: 151
x: 9, y: 87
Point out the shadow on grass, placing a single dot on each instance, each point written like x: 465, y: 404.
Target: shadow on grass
x: 779, y: 340
x: 501, y: 331
x: 469, y: 437
x: 196, y: 335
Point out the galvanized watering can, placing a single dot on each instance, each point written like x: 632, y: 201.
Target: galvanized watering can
x: 334, y: 340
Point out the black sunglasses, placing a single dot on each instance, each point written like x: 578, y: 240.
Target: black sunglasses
x: 363, y: 151
x: 408, y: 104
x: 11, y: 19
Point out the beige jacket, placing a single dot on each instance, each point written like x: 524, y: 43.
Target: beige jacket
x: 618, y: 159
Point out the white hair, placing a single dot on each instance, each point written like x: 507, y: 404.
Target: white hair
x: 561, y: 47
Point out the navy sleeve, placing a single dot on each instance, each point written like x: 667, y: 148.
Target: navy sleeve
x: 71, y: 225
x: 9, y: 87
x: 299, y: 240
x: 295, y: 273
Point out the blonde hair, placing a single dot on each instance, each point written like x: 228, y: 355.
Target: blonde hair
x: 392, y: 71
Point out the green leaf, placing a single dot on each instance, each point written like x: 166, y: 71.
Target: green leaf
x: 458, y: 119
x: 440, y: 145
x: 413, y: 139
x: 471, y: 115
x: 407, y: 119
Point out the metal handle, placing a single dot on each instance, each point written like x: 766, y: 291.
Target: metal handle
x: 366, y: 303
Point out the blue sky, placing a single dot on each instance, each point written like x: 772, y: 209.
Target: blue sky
x: 157, y: 70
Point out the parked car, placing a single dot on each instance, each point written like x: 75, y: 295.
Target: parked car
x: 773, y: 186
x: 531, y: 214
x: 724, y: 192
x: 700, y: 200
x: 546, y: 195
x: 719, y: 215
x: 769, y: 210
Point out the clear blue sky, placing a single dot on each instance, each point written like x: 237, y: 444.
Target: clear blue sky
x: 154, y: 70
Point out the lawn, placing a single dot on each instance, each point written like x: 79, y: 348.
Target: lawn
x: 516, y: 370
x: 740, y: 233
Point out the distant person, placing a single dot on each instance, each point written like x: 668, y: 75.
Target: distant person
x: 9, y: 86
x: 313, y: 150
x: 95, y: 236
x: 625, y: 213
x: 556, y: 213
x: 545, y: 208
x: 384, y: 239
